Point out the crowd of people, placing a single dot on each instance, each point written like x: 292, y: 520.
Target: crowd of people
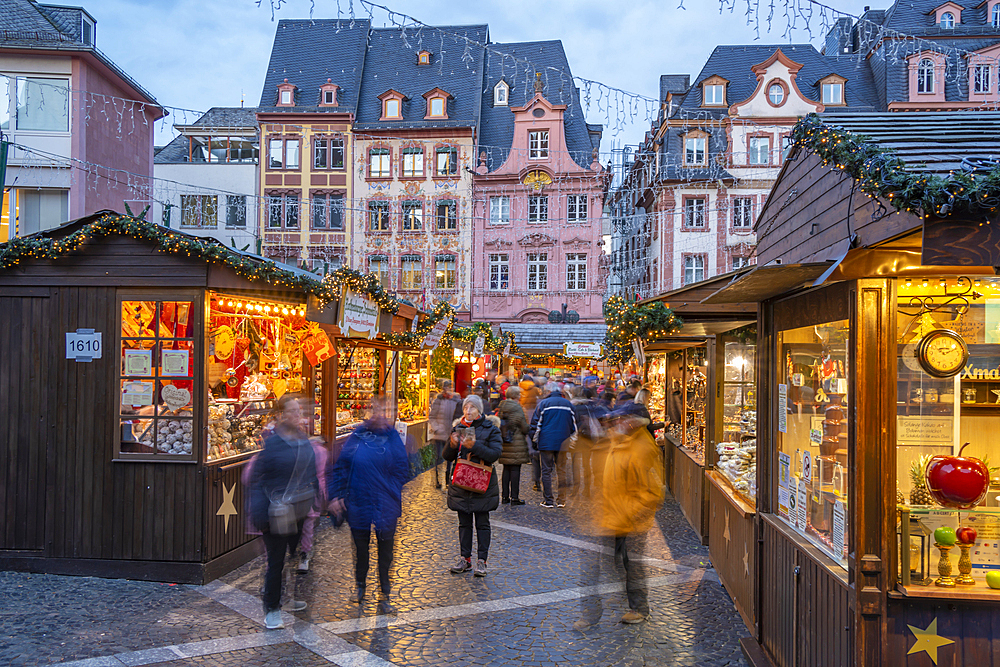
x: 590, y: 446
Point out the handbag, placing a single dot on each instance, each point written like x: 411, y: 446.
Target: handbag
x: 473, y: 477
x: 285, y: 513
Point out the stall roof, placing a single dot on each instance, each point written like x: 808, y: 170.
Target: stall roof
x: 765, y: 282
x: 549, y: 337
x: 688, y: 301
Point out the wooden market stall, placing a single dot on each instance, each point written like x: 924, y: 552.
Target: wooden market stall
x: 878, y: 350
x: 139, y: 365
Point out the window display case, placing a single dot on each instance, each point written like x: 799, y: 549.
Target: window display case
x: 813, y: 439
x: 695, y: 399
x: 656, y: 383
x: 737, y: 447
x: 414, y: 399
x: 357, y: 384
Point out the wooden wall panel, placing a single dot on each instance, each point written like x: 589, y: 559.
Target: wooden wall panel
x: 777, y: 602
x: 973, y: 627
x: 219, y: 539
x: 688, y: 488
x: 732, y: 543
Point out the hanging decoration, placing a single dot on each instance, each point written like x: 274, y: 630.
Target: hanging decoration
x: 628, y: 321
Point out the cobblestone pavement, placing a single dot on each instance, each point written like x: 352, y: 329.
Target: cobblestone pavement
x: 521, y: 614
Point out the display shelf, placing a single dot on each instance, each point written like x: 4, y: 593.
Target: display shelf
x: 977, y: 592
x: 745, y: 506
x: 234, y: 428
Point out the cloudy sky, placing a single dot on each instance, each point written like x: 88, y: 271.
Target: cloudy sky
x: 196, y: 54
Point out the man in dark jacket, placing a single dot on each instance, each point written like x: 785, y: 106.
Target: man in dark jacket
x: 627, y: 394
x: 551, y: 425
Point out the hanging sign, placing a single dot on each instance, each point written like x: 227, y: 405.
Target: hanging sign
x: 640, y: 353
x: 783, y: 408
x: 433, y: 337
x: 317, y: 347
x: 139, y: 362
x: 359, y: 316
x: 480, y: 344
x: 84, y: 345
x: 588, y: 350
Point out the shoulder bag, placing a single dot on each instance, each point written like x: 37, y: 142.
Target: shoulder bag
x: 285, y: 513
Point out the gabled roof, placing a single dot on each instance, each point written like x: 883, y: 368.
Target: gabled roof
x: 456, y: 66
x: 307, y: 53
x: 508, y: 62
x: 216, y: 117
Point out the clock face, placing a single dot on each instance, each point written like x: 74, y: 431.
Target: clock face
x: 942, y: 353
x: 909, y: 357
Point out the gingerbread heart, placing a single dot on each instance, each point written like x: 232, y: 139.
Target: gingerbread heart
x: 175, y: 398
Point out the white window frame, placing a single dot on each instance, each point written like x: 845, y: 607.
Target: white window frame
x: 412, y: 268
x: 383, y: 162
x: 379, y: 266
x: 501, y: 94
x: 538, y: 209
x: 450, y: 222
x: 833, y: 93
x: 780, y: 94
x: 694, y: 266
x: 715, y: 94
x: 576, y: 208
x: 445, y: 272
x: 393, y: 109
x: 982, y: 78
x: 538, y: 144
x: 743, y: 213
x: 236, y: 206
x: 538, y: 271
x: 576, y: 272
x: 413, y: 157
x: 695, y: 151
x: 499, y: 275
x: 500, y: 210
x: 20, y: 92
x: 739, y: 262
x: 948, y: 20
x: 287, y: 206
x: 446, y: 161
x: 436, y: 107
x: 695, y: 213
x: 995, y: 18
x: 412, y: 206
x: 377, y: 221
x: 925, y: 76
x: 203, y: 210
x: 756, y: 155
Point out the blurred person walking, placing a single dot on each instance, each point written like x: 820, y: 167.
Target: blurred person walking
x: 513, y: 429
x: 366, y: 486
x: 529, y: 400
x: 639, y: 407
x: 589, y: 413
x: 446, y: 408
x: 484, y: 447
x: 283, y: 489
x: 309, y: 526
x: 551, y: 425
x: 632, y: 490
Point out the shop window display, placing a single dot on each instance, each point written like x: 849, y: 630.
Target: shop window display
x: 656, y: 382
x: 813, y: 400
x: 947, y: 404
x: 737, y: 450
x: 357, y: 383
x: 414, y: 398
x: 686, y: 389
x: 255, y: 355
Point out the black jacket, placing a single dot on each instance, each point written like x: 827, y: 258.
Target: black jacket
x: 272, y: 473
x: 486, y: 450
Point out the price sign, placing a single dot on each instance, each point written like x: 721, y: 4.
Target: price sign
x: 84, y: 345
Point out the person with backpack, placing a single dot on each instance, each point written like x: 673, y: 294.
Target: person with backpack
x: 513, y: 429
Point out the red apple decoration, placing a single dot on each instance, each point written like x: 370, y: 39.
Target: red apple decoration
x: 959, y: 482
x: 966, y: 535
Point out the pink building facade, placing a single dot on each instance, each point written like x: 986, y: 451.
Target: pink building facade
x: 537, y: 215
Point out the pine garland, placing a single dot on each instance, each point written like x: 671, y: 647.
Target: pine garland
x: 880, y: 173
x: 629, y: 321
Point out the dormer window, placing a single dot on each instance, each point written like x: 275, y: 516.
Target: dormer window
x: 696, y: 148
x: 437, y: 104
x: 392, y: 105
x: 925, y: 76
x: 947, y: 20
x: 424, y: 58
x: 501, y: 93
x: 832, y: 88
x: 87, y: 33
x: 286, y: 94
x: 328, y: 94
x: 713, y: 91
x: 776, y: 94
x: 948, y: 15
x: 995, y: 15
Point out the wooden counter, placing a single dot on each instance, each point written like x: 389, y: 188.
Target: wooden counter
x: 687, y: 484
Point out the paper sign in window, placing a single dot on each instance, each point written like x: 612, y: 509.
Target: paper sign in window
x: 139, y: 362
x: 174, y: 363
x: 137, y: 394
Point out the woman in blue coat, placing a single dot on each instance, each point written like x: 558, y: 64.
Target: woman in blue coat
x: 366, y: 486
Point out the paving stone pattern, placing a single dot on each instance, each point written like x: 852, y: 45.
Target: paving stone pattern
x: 48, y: 619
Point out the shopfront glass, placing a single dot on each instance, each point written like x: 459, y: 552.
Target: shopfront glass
x: 737, y: 447
x: 357, y: 383
x: 947, y: 395
x: 812, y: 403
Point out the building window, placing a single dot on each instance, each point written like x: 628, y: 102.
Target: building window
x: 694, y: 150
x: 236, y: 211
x: 776, y: 94
x: 538, y: 144
x: 424, y: 58
x: 758, y: 150
x: 378, y: 216
x: 576, y: 272
x: 925, y: 76
x: 413, y: 162
x: 199, y: 211
x: 283, y: 154
x: 715, y: 95
x: 948, y: 20
x: 444, y: 272
x: 413, y: 272
x: 694, y: 213
x: 327, y: 211
x: 501, y: 93
x: 328, y: 153
x: 740, y: 262
x: 328, y: 97
x: 694, y: 269
x: 286, y: 98
x: 833, y: 93
x: 282, y: 211
x: 378, y: 163
x: 538, y: 271
x: 981, y: 78
x: 446, y: 161
x: 42, y: 105
x: 413, y: 216
x: 538, y: 209
x: 500, y: 210
x: 742, y: 212
x: 221, y: 149
x: 786, y: 146
x: 436, y: 107
x: 88, y: 32
x: 995, y: 18
x: 378, y: 265
x: 447, y: 216
x: 392, y: 110
x: 499, y: 272
x: 576, y: 208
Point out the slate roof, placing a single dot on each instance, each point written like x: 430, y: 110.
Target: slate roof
x: 66, y: 19
x: 516, y: 63
x: 307, y: 53
x: 911, y: 17
x: 456, y: 66
x: 216, y: 117
x: 926, y: 141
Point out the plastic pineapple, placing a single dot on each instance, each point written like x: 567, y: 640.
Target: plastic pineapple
x: 919, y: 495
x: 900, y: 498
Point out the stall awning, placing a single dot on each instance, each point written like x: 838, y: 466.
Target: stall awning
x: 539, y: 337
x: 765, y: 282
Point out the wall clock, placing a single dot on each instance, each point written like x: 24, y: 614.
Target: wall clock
x: 942, y: 353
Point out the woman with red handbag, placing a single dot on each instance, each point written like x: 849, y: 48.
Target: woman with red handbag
x: 475, y: 444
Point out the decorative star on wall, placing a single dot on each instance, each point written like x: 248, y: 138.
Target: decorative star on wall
x: 928, y: 640
x: 725, y: 533
x: 746, y: 562
x: 228, y: 509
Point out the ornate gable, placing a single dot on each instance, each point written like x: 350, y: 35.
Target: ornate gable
x: 777, y: 93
